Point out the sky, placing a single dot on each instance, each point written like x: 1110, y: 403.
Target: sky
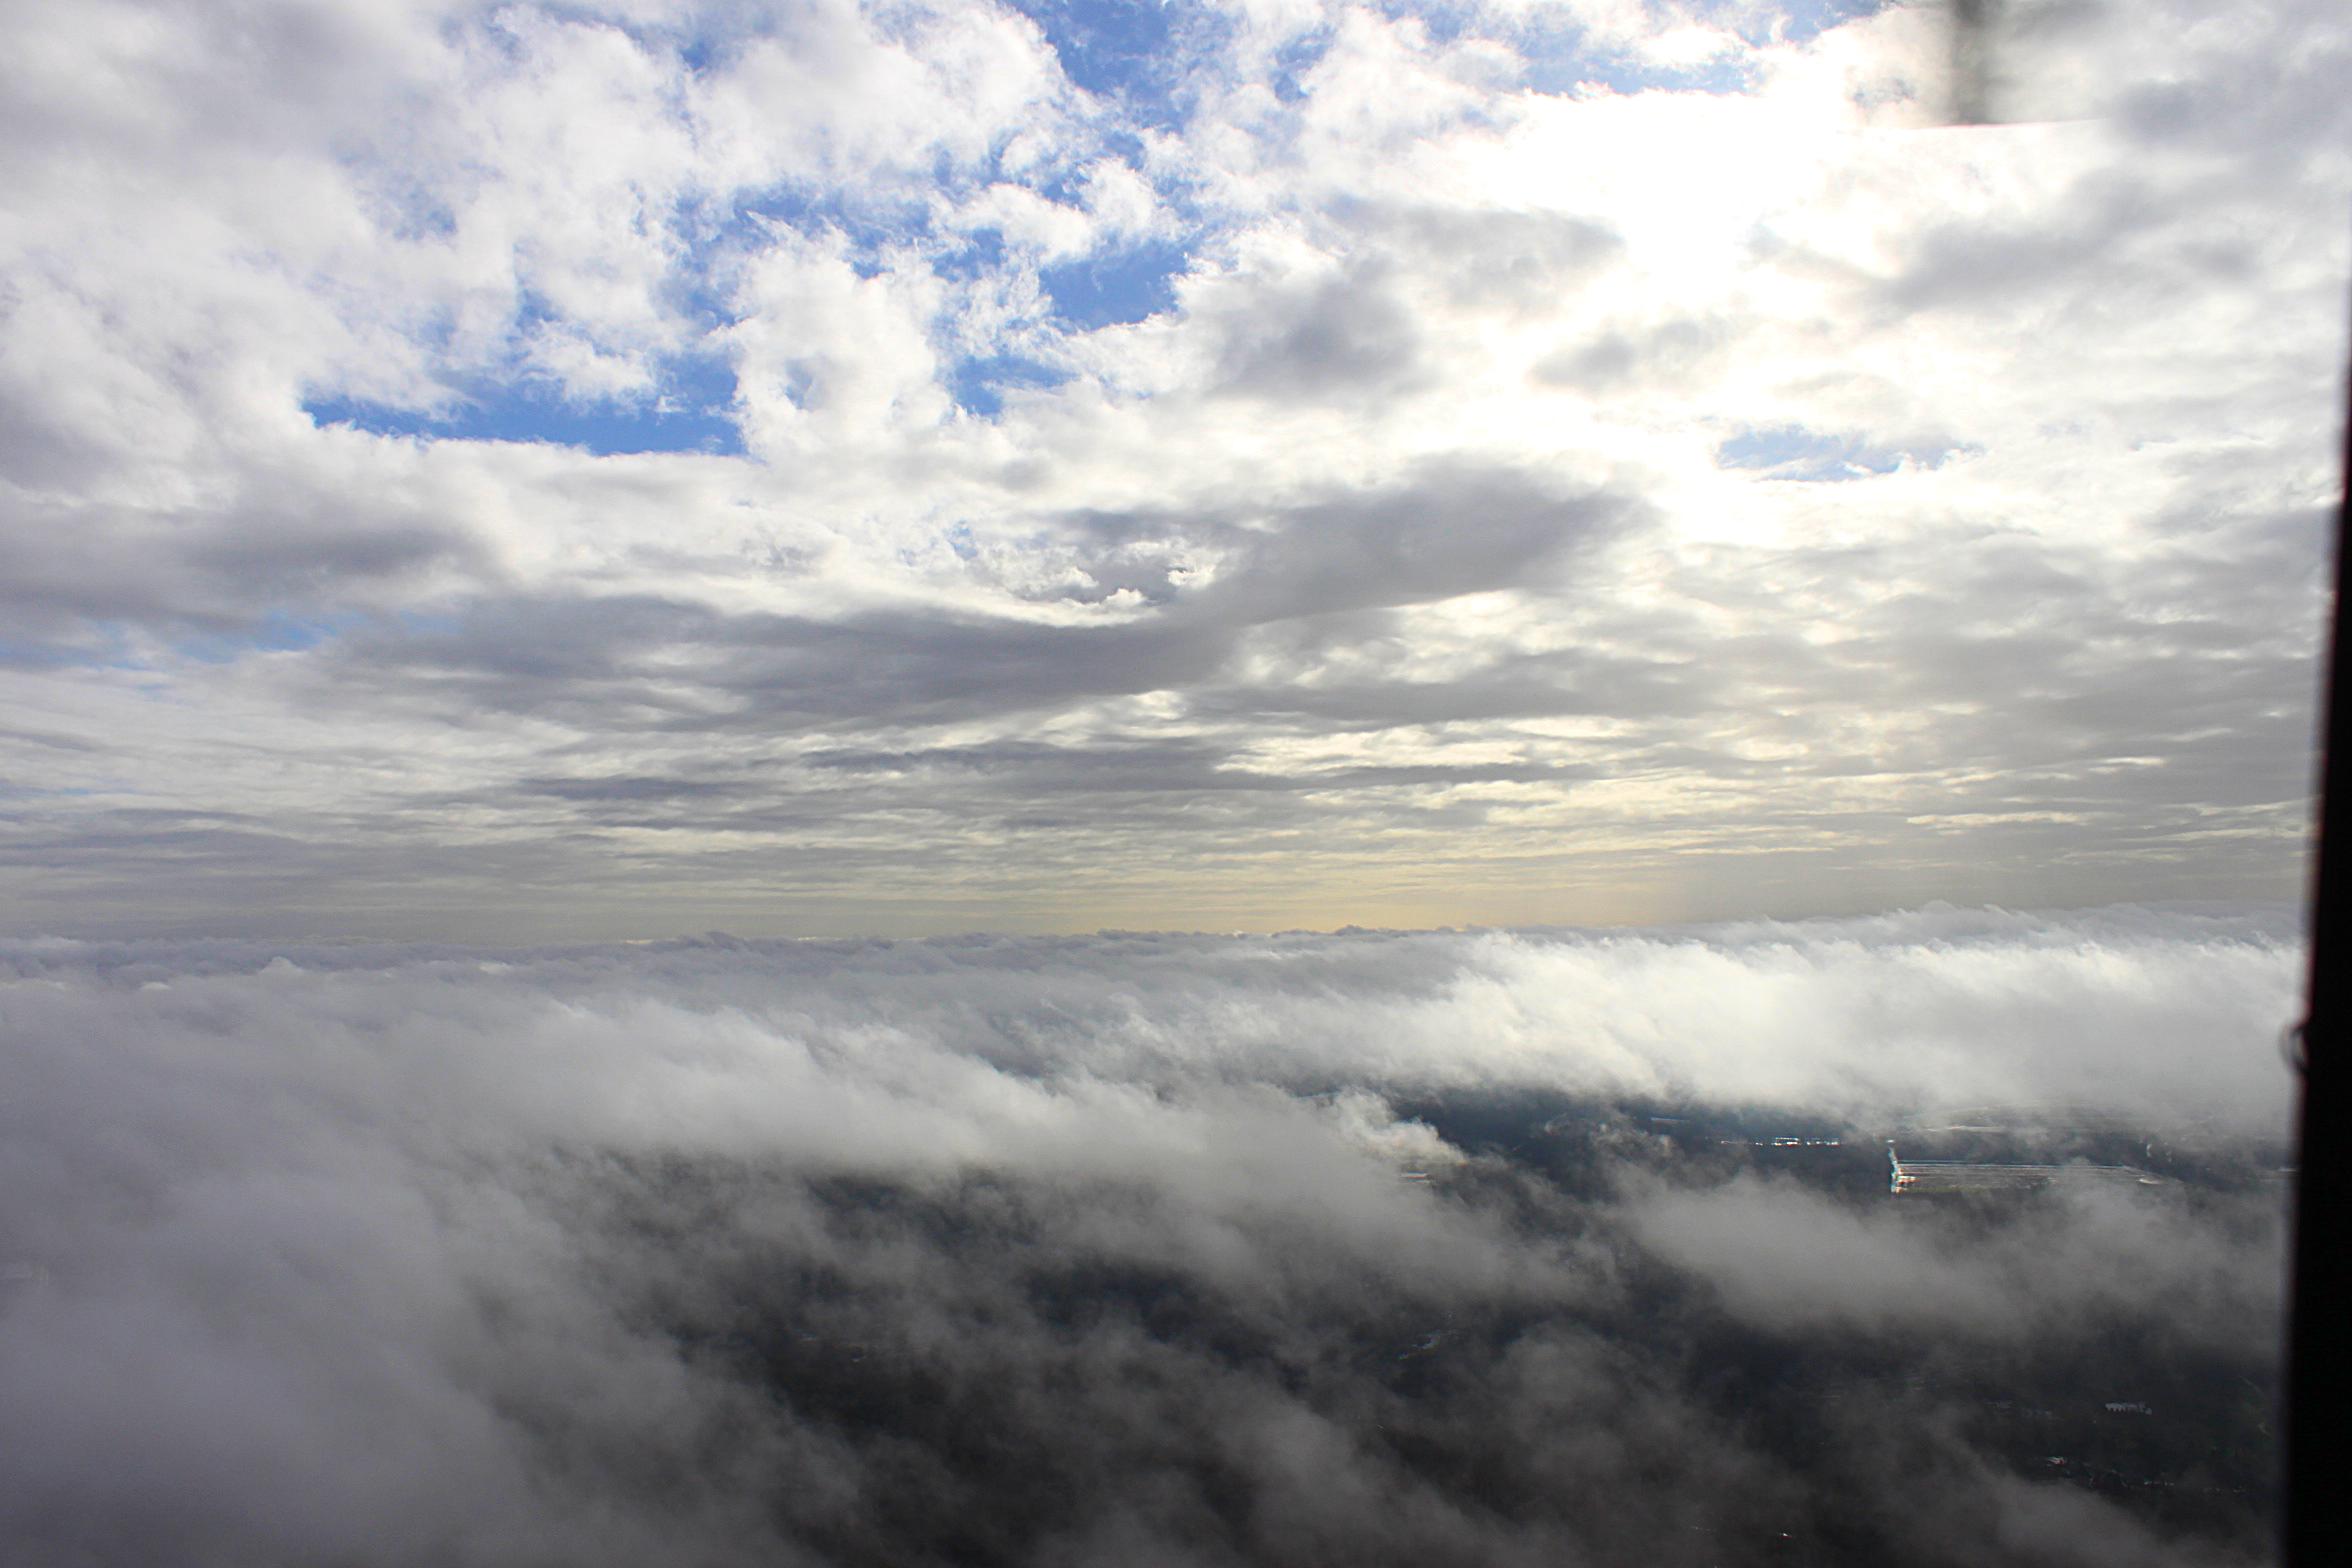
x: 598, y: 471
x: 783, y: 783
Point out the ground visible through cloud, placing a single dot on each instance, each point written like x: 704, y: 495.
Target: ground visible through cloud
x: 1499, y: 1247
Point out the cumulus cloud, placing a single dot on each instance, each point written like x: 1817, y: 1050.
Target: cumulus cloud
x: 1203, y: 1249
x: 1586, y: 462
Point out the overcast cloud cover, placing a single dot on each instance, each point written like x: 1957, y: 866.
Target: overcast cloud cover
x: 607, y: 470
x: 1094, y: 1250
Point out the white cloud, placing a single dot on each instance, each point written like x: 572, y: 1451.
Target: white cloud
x: 2050, y: 643
x: 405, y: 1255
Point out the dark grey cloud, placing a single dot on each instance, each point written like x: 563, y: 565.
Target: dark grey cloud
x: 1963, y: 265
x: 73, y: 579
x: 1345, y: 336
x: 2231, y: 122
x: 2030, y: 722
x: 1173, y: 768
x: 2264, y: 99
x: 1449, y: 531
x: 1454, y: 529
x: 629, y: 789
x: 1662, y: 354
x: 1357, y: 330
x: 1483, y: 257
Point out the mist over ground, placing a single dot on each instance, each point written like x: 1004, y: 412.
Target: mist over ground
x: 1368, y: 1247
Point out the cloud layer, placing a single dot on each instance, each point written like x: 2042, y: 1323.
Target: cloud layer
x: 598, y: 471
x: 1099, y: 1251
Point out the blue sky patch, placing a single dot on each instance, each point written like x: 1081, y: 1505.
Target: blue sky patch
x: 1796, y: 453
x: 1124, y: 49
x: 870, y: 223
x: 979, y: 384
x: 1122, y: 287
x: 981, y: 253
x: 692, y: 415
x: 1105, y: 46
x: 1569, y: 67
x: 1295, y: 59
x: 1561, y: 57
x: 276, y: 632
x: 101, y: 645
x: 1805, y: 19
x: 1444, y: 24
